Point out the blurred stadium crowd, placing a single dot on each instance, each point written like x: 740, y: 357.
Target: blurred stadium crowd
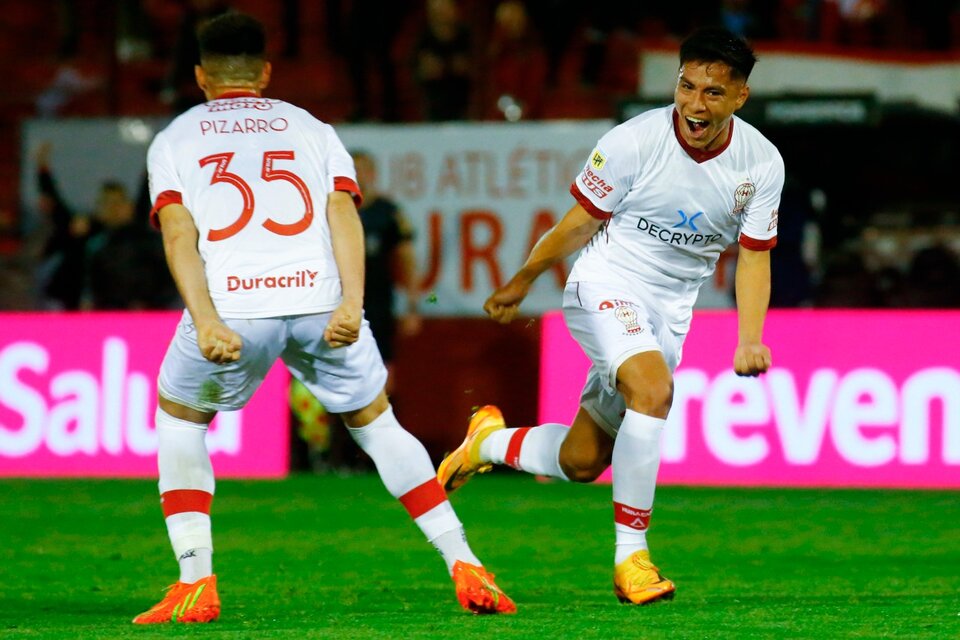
x: 423, y: 60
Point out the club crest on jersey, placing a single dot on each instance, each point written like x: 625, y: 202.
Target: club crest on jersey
x: 597, y: 159
x: 625, y: 313
x: 742, y: 196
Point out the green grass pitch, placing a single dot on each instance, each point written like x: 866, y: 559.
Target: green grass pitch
x: 328, y: 557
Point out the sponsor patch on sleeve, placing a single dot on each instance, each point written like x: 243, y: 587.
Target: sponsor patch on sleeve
x: 597, y: 159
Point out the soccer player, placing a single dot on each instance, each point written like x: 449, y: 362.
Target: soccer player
x: 256, y: 200
x: 660, y: 197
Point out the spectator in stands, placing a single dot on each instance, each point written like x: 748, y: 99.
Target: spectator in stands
x: 125, y: 267
x: 443, y: 59
x: 932, y: 279
x: 847, y: 283
x: 369, y: 56
x: 792, y: 264
x: 862, y: 23
x: 739, y: 18
x: 557, y: 22
x: 60, y: 273
x: 516, y: 65
x: 69, y: 82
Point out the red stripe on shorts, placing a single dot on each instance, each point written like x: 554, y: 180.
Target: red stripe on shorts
x: 632, y: 517
x: 183, y: 500
x: 421, y: 499
x: 513, y: 447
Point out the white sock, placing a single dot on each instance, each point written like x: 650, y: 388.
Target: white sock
x: 186, y: 491
x: 636, y: 459
x: 532, y: 449
x: 406, y: 471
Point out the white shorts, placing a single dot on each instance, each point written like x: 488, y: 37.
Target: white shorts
x: 342, y: 379
x: 611, y: 324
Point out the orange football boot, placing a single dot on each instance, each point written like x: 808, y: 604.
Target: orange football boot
x: 196, y: 602
x: 637, y: 580
x: 477, y: 592
x: 464, y: 462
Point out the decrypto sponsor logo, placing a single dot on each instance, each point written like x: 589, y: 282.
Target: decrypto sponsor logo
x: 687, y: 221
x: 303, y: 278
x: 774, y: 219
x: 597, y: 185
x: 678, y: 237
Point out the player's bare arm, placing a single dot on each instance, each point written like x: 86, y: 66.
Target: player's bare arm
x: 346, y: 233
x: 218, y: 343
x: 410, y: 323
x: 569, y: 235
x: 752, y: 357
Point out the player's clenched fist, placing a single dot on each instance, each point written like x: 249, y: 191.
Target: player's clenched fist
x: 219, y: 343
x: 751, y: 359
x: 344, y: 325
x: 503, y: 305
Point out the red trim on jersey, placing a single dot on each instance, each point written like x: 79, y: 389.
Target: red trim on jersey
x: 591, y: 208
x: 165, y: 198
x: 757, y: 245
x: 239, y: 93
x: 184, y: 500
x: 513, y: 447
x: 632, y: 517
x: 699, y: 155
x: 341, y: 183
x: 421, y: 499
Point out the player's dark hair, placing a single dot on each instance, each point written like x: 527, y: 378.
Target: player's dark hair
x: 713, y: 44
x: 232, y: 34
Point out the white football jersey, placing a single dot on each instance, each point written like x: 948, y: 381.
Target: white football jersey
x: 255, y: 174
x: 670, y: 210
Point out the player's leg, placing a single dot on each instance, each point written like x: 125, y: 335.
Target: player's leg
x: 645, y: 382
x: 628, y: 393
x: 191, y: 391
x: 350, y: 382
x: 579, y: 452
x: 186, y: 493
x: 406, y: 471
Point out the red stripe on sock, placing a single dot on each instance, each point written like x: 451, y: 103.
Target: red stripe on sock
x: 421, y: 499
x: 183, y: 500
x: 513, y: 447
x: 631, y: 516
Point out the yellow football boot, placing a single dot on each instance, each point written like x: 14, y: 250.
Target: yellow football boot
x: 464, y: 462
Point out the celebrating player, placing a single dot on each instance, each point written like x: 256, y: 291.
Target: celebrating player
x: 256, y: 200
x: 658, y: 200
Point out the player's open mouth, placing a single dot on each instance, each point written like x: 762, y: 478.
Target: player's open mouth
x: 696, y: 125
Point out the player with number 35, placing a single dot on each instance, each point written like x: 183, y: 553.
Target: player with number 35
x: 256, y: 200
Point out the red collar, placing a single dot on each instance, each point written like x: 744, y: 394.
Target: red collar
x: 240, y: 93
x: 698, y: 154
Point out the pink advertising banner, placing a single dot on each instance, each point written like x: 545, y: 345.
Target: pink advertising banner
x: 78, y: 396
x: 854, y: 399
